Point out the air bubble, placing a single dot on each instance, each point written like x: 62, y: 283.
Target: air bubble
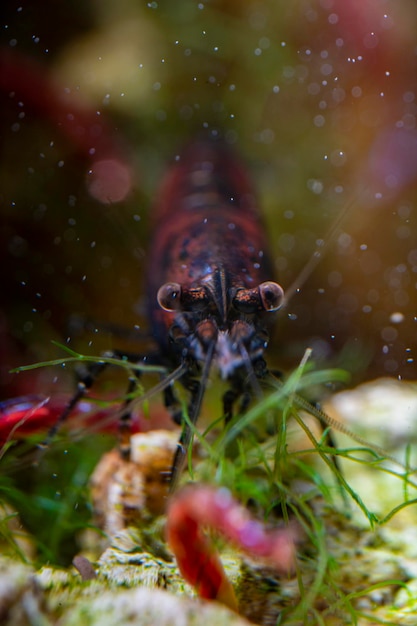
x: 313, y: 89
x: 389, y: 334
x: 319, y: 121
x: 326, y: 69
x: 344, y: 240
x: 314, y: 185
x: 397, y: 317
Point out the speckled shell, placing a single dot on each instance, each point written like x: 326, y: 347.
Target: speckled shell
x: 206, y: 224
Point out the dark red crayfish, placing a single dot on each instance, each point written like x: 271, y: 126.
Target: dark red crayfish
x: 209, y: 280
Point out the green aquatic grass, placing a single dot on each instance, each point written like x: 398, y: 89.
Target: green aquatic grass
x: 48, y: 489
x: 263, y: 471
x: 253, y: 457
x: 51, y: 498
x: 77, y: 358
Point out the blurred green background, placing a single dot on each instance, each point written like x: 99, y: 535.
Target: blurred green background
x: 318, y: 97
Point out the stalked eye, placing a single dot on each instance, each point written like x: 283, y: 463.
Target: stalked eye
x: 247, y: 301
x: 267, y: 296
x: 271, y: 295
x: 194, y: 299
x: 169, y: 297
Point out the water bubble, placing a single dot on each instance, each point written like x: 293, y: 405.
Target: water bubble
x: 409, y: 96
x: 109, y: 181
x: 319, y: 121
x: 314, y: 185
x: 344, y: 240
x: 397, y: 317
x: 389, y: 334
x: 326, y: 69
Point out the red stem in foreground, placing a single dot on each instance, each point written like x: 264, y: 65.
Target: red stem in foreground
x: 198, y: 507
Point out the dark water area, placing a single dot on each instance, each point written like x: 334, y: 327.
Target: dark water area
x: 318, y: 98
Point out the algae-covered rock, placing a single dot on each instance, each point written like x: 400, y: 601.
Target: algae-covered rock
x: 149, y: 607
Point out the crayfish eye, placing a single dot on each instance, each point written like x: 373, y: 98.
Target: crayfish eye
x: 271, y: 295
x: 169, y: 297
